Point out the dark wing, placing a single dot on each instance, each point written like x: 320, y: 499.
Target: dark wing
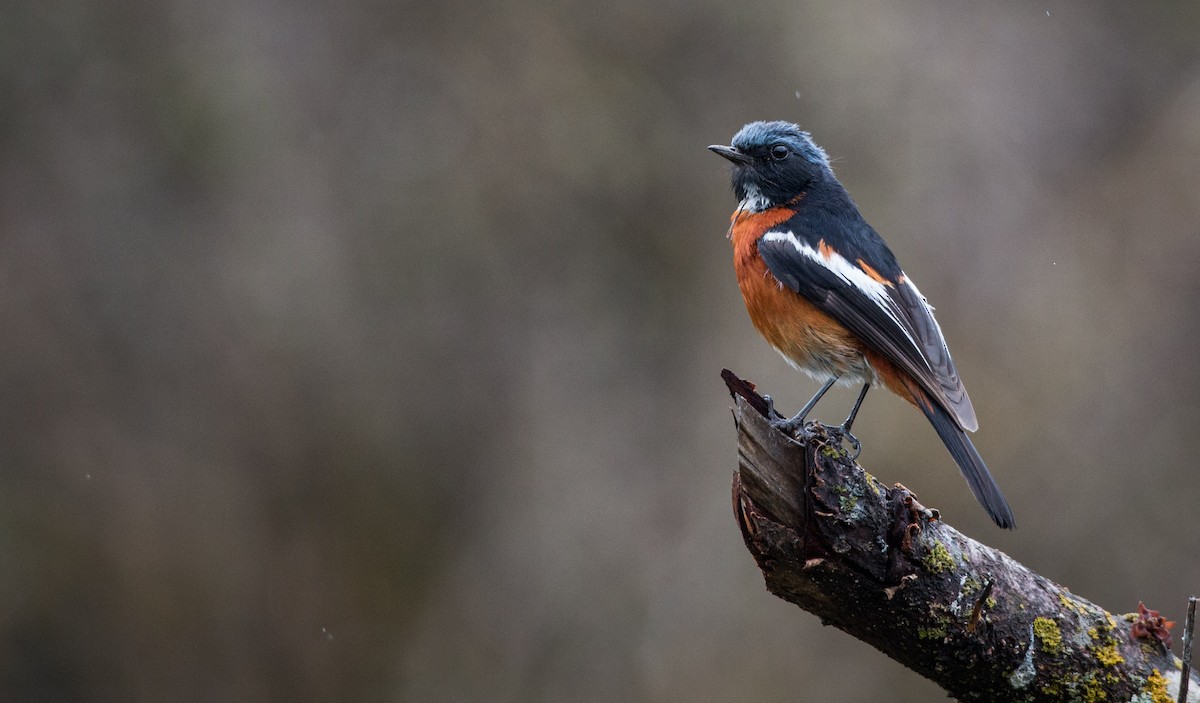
x: 928, y: 333
x: 889, y: 316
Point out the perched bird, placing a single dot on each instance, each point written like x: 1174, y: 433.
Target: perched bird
x: 825, y: 291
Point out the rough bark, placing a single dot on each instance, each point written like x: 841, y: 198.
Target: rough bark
x: 869, y: 560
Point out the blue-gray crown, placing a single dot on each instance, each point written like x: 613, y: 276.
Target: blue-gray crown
x: 758, y: 135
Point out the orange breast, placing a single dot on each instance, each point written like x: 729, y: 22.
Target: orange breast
x: 807, y: 337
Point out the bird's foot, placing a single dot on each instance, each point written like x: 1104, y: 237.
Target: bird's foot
x: 772, y: 414
x: 790, y: 426
x: 842, y: 434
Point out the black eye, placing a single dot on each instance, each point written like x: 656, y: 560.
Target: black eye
x: 780, y: 152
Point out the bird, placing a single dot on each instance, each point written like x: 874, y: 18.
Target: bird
x: 824, y: 289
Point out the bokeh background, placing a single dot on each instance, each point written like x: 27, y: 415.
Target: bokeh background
x: 370, y: 351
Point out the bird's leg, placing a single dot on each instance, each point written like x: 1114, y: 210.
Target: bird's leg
x: 845, y: 428
x: 796, y: 422
x: 854, y: 411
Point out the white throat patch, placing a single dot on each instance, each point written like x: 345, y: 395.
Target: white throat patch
x: 754, y: 201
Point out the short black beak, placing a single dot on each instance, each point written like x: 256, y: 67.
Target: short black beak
x: 730, y: 153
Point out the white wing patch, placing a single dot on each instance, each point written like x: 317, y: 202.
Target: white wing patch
x: 851, y: 274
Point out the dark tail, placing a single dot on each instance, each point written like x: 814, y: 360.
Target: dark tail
x: 970, y: 463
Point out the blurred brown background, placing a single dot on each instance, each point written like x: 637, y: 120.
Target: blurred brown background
x: 369, y: 351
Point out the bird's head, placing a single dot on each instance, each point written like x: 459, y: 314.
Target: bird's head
x: 773, y: 162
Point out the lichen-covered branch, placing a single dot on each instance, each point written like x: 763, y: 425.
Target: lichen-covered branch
x: 871, y: 561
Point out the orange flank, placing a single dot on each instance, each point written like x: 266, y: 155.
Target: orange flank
x: 806, y: 336
x: 874, y: 274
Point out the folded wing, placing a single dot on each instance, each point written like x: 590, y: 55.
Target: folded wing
x: 879, y: 305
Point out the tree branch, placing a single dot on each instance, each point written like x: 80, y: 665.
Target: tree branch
x: 873, y: 562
